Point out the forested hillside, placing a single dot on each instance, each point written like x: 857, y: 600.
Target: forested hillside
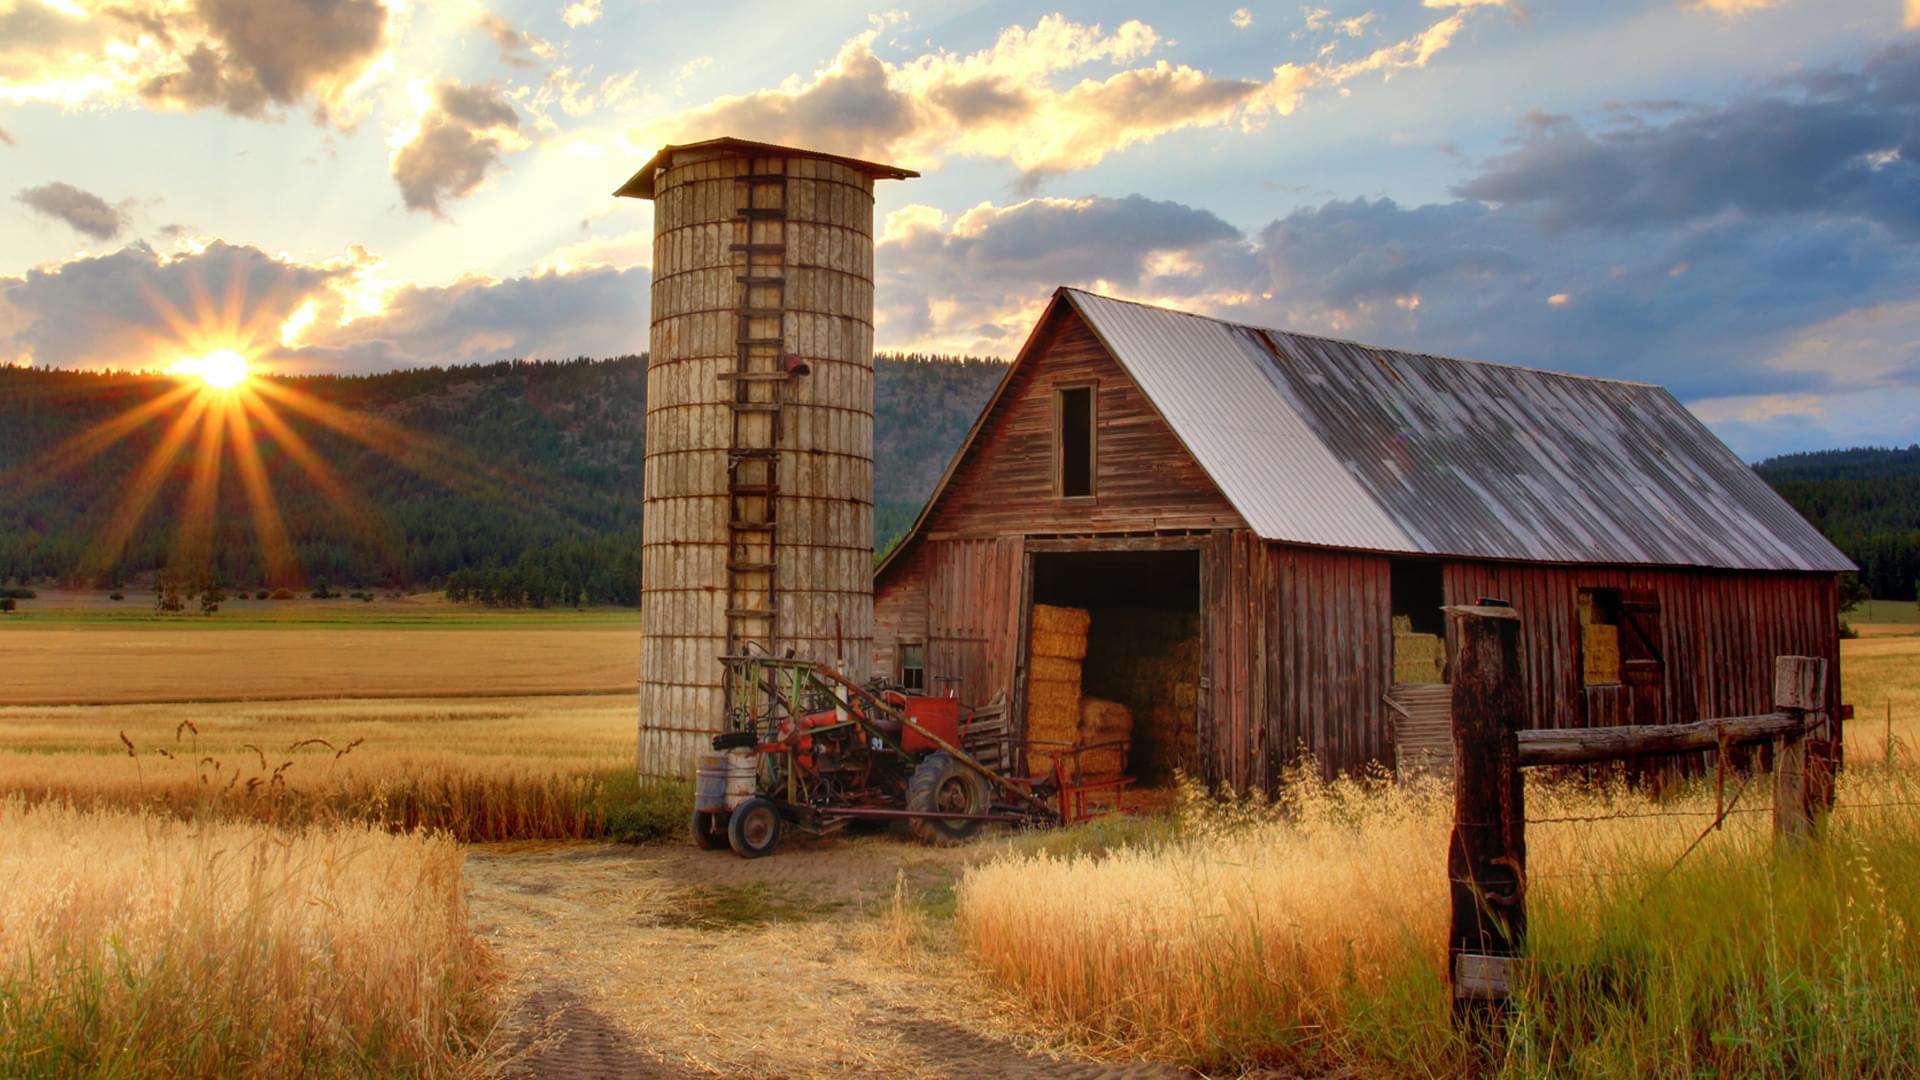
x: 1867, y: 501
x: 528, y: 470
x: 520, y: 482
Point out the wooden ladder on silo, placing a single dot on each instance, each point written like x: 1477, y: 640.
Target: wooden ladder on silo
x: 756, y: 392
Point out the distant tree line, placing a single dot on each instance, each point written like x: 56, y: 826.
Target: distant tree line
x: 1867, y: 501
x: 518, y: 483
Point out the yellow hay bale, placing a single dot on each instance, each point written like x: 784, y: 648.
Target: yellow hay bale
x: 1067, y: 620
x: 1055, y: 694
x: 1600, y: 648
x: 1403, y: 624
x: 1057, y: 669
x: 1060, y: 644
x: 1102, y: 764
x: 1419, y: 658
x: 1102, y: 720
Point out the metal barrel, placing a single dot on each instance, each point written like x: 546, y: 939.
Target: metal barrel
x: 710, y: 783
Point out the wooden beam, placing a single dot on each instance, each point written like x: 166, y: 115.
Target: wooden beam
x: 1586, y: 746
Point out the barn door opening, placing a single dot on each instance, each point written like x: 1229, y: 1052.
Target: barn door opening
x: 1133, y: 618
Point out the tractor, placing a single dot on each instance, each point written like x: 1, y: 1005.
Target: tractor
x: 806, y: 748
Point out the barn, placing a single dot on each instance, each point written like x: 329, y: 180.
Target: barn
x: 1264, y: 527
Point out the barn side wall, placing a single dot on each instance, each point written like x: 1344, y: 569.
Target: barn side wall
x: 1327, y: 615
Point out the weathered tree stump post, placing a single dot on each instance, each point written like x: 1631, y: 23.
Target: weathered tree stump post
x: 1799, y: 689
x: 1487, y: 859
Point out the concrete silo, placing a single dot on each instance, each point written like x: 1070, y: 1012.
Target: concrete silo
x: 758, y: 522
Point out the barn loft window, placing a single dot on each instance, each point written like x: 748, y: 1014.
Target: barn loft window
x: 1600, y: 636
x: 1074, y: 441
x: 913, y: 667
x: 1419, y: 629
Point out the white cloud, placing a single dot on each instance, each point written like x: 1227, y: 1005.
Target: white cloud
x: 1008, y: 101
x: 1730, y: 7
x: 583, y: 13
x: 1241, y: 18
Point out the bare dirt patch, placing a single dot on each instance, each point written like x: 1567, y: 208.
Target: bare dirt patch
x: 669, y: 961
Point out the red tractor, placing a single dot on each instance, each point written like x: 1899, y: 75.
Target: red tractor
x: 807, y: 748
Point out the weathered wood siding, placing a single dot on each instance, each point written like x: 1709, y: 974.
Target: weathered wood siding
x: 1144, y: 479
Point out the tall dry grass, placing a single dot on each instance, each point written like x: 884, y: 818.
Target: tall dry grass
x: 533, y: 768
x: 135, y: 944
x: 1311, y: 932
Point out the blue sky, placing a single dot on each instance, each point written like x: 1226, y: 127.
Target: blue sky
x: 1720, y: 196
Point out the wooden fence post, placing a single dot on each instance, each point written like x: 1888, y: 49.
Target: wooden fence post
x: 1800, y: 689
x: 1487, y: 859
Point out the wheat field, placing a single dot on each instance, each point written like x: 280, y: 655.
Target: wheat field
x: 492, y: 769
x: 134, y: 944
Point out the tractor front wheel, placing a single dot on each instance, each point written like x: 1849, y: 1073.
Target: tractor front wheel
x: 943, y: 785
x: 754, y: 829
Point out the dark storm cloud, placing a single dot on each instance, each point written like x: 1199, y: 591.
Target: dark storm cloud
x: 83, y: 211
x: 1838, y: 142
x: 461, y: 139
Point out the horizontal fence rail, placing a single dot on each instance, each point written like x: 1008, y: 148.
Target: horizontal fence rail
x: 1587, y: 746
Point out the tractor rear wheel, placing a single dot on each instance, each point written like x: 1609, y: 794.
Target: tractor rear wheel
x: 754, y: 829
x: 943, y: 785
x: 709, y: 829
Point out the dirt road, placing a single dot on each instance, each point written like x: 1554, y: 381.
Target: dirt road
x: 669, y: 962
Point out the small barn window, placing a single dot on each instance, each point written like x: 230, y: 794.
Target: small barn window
x: 1074, y: 450
x: 913, y: 667
x: 1419, y: 629
x: 1599, y: 636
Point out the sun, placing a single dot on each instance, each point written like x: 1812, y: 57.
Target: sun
x: 222, y: 369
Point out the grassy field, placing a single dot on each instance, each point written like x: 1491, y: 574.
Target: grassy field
x: 132, y: 945
x: 1311, y: 936
x: 1885, y: 613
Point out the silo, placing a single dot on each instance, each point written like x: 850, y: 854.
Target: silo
x: 758, y: 526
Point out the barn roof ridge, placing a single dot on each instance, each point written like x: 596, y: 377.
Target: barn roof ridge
x: 1356, y: 344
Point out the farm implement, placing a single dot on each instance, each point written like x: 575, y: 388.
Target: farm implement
x: 807, y: 748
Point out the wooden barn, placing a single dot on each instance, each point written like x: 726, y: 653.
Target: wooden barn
x: 1264, y: 527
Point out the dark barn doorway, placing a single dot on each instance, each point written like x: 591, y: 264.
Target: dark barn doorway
x: 1145, y: 647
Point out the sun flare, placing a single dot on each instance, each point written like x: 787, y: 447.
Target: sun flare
x: 223, y: 369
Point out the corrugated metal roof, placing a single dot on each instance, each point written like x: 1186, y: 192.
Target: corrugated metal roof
x: 1325, y: 442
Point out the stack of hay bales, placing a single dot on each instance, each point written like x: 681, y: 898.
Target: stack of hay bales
x: 1053, y: 682
x: 1599, y: 645
x: 1417, y: 658
x: 1101, y: 722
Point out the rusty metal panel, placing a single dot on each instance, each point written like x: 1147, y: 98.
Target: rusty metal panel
x: 1333, y: 444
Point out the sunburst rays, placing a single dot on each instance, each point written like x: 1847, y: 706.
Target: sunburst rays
x: 221, y: 345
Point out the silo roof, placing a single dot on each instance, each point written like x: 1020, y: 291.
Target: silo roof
x: 640, y: 185
x: 1329, y: 443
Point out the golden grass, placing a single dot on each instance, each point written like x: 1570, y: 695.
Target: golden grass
x: 132, y: 944
x: 1880, y: 678
x: 149, y: 662
x: 481, y: 770
x: 1312, y: 933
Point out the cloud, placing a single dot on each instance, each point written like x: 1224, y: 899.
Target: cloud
x: 460, y: 134
x: 139, y: 308
x: 85, y: 212
x: 973, y: 283
x: 1241, y: 18
x: 1729, y: 7
x: 1911, y: 21
x: 1840, y: 142
x: 1008, y: 101
x: 249, y: 57
x: 6, y: 138
x: 583, y: 13
x: 517, y: 47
